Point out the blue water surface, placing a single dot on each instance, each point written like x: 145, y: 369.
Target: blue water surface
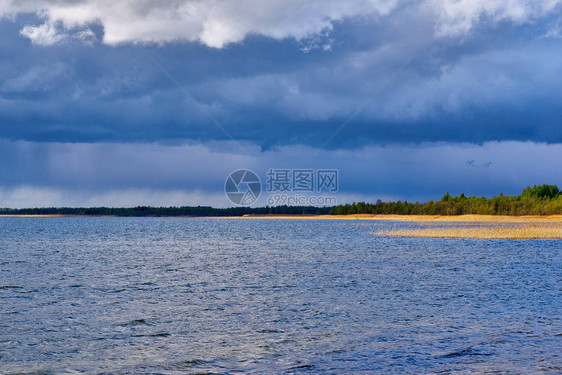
x: 181, y: 295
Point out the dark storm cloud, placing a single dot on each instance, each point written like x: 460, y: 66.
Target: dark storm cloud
x: 88, y: 118
x: 498, y: 84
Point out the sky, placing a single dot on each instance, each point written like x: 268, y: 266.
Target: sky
x: 138, y: 102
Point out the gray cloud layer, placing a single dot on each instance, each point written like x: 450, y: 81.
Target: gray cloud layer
x: 502, y: 85
x: 38, y: 174
x: 86, y: 116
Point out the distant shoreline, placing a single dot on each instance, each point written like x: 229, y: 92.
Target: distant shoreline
x: 10, y: 215
x: 388, y: 217
x: 413, y: 218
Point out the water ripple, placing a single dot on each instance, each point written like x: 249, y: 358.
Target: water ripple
x: 176, y: 295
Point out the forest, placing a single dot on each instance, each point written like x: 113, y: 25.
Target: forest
x: 536, y: 200
x: 169, y: 211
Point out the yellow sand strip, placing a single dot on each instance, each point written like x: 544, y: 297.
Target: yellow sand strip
x: 35, y: 215
x: 525, y: 231
x: 415, y: 218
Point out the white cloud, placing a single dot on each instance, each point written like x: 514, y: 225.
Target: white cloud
x: 457, y: 17
x: 216, y: 23
x: 554, y: 31
x: 43, y: 35
x: 87, y: 36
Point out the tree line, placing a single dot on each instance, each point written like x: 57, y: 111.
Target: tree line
x: 169, y: 211
x: 536, y: 200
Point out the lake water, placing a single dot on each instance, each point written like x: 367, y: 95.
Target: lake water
x: 178, y: 295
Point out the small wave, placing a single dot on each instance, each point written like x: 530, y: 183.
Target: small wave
x: 160, y: 334
x: 464, y: 352
x: 30, y: 291
x: 136, y: 322
x: 116, y: 291
x: 300, y: 367
x: 269, y: 331
x: 195, y: 362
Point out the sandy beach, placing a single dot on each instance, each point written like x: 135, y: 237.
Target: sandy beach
x: 37, y: 215
x: 413, y: 218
